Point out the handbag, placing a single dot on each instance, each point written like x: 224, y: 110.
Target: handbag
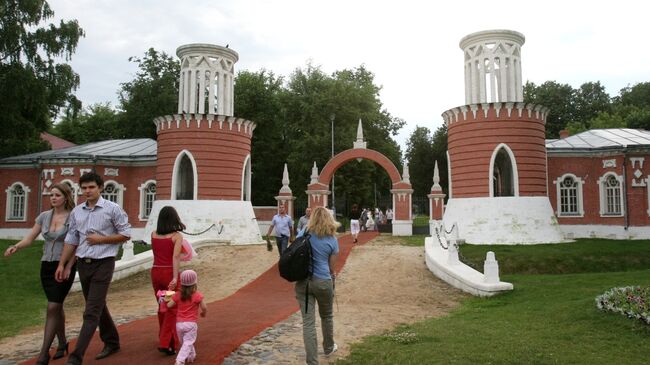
x: 187, y: 251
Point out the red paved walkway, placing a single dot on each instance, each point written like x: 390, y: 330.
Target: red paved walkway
x: 230, y: 322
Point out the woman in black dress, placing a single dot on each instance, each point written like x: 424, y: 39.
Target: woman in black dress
x: 53, y: 225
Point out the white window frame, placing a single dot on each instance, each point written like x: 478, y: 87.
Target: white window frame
x: 10, y: 202
x: 449, y: 179
x: 647, y: 181
x: 177, y: 165
x: 515, y: 171
x: 603, y: 194
x: 246, y: 180
x: 120, y: 191
x: 143, y: 199
x: 579, y: 196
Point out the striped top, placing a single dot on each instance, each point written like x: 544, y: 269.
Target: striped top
x: 105, y: 218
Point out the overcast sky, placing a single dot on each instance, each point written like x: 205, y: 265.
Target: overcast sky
x: 410, y: 46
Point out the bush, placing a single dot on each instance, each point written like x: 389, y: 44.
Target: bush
x: 630, y: 301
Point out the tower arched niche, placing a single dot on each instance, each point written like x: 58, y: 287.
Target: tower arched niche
x: 503, y: 178
x: 184, y: 177
x: 246, y: 180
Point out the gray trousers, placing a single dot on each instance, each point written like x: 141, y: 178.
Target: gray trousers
x: 321, y: 291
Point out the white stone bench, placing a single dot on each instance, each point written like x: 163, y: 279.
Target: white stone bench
x: 444, y: 264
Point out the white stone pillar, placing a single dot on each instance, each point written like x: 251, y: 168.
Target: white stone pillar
x: 483, y: 50
x: 214, y: 65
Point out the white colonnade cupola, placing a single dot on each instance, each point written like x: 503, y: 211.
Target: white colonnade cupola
x: 206, y: 79
x: 493, y: 66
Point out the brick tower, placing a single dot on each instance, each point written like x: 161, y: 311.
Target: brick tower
x: 204, y: 162
x: 496, y: 149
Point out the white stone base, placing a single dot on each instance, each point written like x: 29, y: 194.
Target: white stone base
x: 458, y: 274
x: 503, y: 220
x: 602, y: 231
x: 237, y: 217
x: 402, y: 228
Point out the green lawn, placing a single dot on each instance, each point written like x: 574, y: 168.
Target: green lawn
x: 549, y: 318
x: 23, y: 302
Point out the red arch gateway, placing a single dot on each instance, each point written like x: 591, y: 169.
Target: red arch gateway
x: 351, y: 154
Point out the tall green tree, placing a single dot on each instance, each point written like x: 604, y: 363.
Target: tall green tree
x: 98, y: 122
x: 34, y: 86
x: 259, y: 98
x: 560, y: 98
x: 153, y: 93
x: 420, y: 157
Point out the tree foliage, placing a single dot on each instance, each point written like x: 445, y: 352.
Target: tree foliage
x: 98, y: 122
x: 153, y: 93
x: 34, y: 87
x: 295, y: 126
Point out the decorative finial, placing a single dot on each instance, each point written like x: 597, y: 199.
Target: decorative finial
x: 314, y: 174
x: 405, y: 173
x: 436, y: 179
x: 359, y: 143
x: 285, y: 181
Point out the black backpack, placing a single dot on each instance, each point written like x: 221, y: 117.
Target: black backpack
x: 295, y: 262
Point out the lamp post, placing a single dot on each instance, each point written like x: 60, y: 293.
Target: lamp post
x: 333, y: 175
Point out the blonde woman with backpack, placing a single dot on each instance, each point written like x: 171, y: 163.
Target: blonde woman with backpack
x: 325, y: 250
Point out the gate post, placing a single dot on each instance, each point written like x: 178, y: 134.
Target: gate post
x: 436, y: 202
x: 402, y: 192
x: 285, y: 197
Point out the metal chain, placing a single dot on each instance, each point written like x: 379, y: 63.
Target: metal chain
x: 460, y: 255
x: 202, y: 232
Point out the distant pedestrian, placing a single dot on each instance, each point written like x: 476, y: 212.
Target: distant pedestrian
x: 189, y: 302
x: 320, y: 287
x: 354, y: 222
x: 389, y: 216
x: 302, y: 222
x: 283, y: 225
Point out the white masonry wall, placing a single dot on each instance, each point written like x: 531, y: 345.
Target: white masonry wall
x: 504, y: 220
x: 237, y: 218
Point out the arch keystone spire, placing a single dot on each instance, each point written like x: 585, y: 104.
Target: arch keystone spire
x: 359, y: 143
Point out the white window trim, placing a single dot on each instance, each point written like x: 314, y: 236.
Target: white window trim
x: 246, y: 179
x: 515, y: 171
x: 76, y: 191
x: 120, y: 191
x: 27, y: 190
x: 581, y: 210
x: 603, y: 198
x: 175, y: 173
x: 143, y: 194
x: 648, y: 190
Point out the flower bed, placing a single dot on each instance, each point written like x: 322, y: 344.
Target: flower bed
x: 630, y: 301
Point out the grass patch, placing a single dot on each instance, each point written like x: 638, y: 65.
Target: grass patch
x: 584, y: 255
x: 23, y: 301
x: 547, y: 319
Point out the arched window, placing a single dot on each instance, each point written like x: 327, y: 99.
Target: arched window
x: 113, y: 191
x: 503, y: 173
x: 184, y: 179
x: 17, y: 195
x: 611, y: 195
x: 147, y: 197
x: 569, y: 196
x: 246, y: 180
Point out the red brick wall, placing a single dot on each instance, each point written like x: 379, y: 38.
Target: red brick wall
x: 472, y: 141
x: 219, y: 153
x: 590, y: 169
x: 129, y: 176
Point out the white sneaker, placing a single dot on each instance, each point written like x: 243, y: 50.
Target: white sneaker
x: 336, y: 347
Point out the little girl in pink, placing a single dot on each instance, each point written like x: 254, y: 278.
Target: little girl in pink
x: 189, y: 301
